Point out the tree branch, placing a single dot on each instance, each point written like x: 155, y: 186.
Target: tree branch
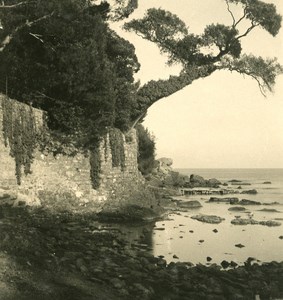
x: 9, y: 37
x: 248, y: 73
x: 242, y: 18
x: 15, y: 5
x: 37, y: 36
x: 248, y: 31
x: 228, y: 7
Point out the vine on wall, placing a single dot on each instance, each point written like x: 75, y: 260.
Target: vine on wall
x: 95, y: 167
x: 19, y: 130
x: 117, y: 148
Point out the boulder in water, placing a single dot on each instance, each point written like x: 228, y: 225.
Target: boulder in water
x: 208, y: 219
x: 249, y: 202
x: 250, y: 192
x: 189, y: 204
x: 231, y: 200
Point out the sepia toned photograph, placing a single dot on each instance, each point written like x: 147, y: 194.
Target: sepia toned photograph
x: 141, y: 150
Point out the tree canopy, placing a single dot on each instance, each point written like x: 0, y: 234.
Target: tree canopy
x: 173, y: 38
x: 63, y: 57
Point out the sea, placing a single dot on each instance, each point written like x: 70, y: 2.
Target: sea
x: 181, y: 238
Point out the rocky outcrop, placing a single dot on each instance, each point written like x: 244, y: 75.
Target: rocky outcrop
x: 163, y: 175
x: 199, y: 181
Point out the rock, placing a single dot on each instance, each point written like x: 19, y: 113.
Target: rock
x: 225, y: 184
x: 266, y: 182
x: 191, y: 231
x: 175, y: 256
x: 239, y: 246
x: 159, y: 228
x: 197, y: 180
x: 270, y: 223
x: 225, y: 264
x: 213, y: 182
x: 249, y: 202
x: 240, y: 221
x: 215, y: 230
x: 269, y: 210
x: 281, y: 237
x: 231, y: 200
x: 189, y: 204
x: 209, y: 258
x: 250, y: 192
x: 161, y: 262
x: 201, y: 241
x: 165, y: 161
x: 271, y: 203
x: 233, y: 264
x: 208, y: 219
x: 237, y: 208
x: 234, y: 180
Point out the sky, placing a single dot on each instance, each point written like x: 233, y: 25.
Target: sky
x: 222, y: 121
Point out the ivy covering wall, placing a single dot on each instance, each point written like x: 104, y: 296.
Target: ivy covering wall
x: 19, y: 131
x: 117, y: 148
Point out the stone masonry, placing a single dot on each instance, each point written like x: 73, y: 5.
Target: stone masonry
x: 63, y: 177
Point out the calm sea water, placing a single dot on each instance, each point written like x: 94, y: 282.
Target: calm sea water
x: 266, y: 192
x: 194, y: 241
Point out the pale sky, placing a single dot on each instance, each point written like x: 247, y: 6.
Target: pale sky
x: 222, y: 121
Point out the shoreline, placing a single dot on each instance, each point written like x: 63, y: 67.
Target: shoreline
x: 99, y: 258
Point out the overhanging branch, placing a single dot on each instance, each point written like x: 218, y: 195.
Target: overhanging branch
x: 15, y: 5
x: 9, y: 37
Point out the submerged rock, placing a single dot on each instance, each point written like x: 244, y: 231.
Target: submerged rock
x: 239, y: 246
x: 269, y: 210
x: 250, y: 192
x: 249, y: 202
x: 189, y: 204
x: 237, y: 208
x: 270, y: 223
x: 208, y: 219
x: 240, y: 221
x: 231, y: 200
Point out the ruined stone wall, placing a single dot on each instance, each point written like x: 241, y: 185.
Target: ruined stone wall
x: 61, y: 177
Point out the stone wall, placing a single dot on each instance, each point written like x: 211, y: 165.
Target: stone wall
x: 61, y: 178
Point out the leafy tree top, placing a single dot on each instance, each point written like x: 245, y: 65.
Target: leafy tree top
x: 217, y: 48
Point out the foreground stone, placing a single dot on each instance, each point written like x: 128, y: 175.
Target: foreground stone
x: 82, y: 261
x: 208, y: 219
